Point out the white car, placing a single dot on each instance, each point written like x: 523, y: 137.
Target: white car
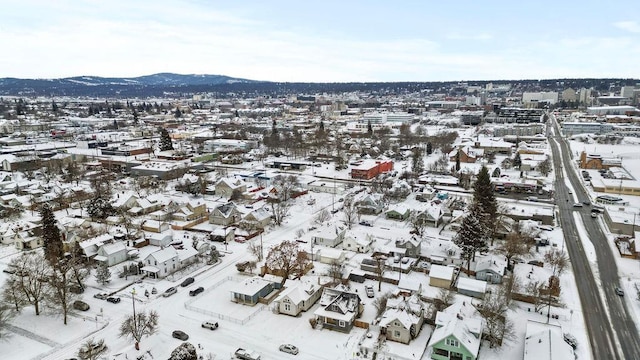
x: 170, y: 291
x: 369, y: 290
x: 288, y: 348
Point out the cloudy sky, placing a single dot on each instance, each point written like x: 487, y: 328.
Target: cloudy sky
x: 322, y: 41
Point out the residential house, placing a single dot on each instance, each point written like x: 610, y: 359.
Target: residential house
x: 329, y: 256
x: 298, y: 297
x: 225, y: 214
x: 226, y: 186
x: 90, y: 247
x: 251, y: 290
x: 491, y: 269
x: 399, y: 212
x: 358, y: 242
x: 402, y: 320
x: 455, y: 337
x: 112, y: 253
x: 370, y: 204
x: 431, y: 215
x: 258, y: 218
x: 441, y: 276
x: 154, y: 226
x: 471, y: 287
x: 161, y: 263
x: 338, y: 309
x: 223, y: 234
x: 545, y: 341
x: 412, y: 246
x: 328, y: 235
x: 465, y: 154
x: 161, y: 239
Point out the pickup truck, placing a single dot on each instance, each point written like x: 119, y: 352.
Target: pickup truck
x: 245, y: 354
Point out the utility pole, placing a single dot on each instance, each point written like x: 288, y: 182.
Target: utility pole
x: 135, y: 323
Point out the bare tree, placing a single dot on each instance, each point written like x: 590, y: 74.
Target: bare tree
x: 286, y: 259
x: 493, y: 309
x: 381, y: 264
x: 12, y: 294
x: 335, y: 271
x: 285, y: 187
x: 380, y: 303
x: 516, y: 244
x: 545, y: 166
x: 32, y: 272
x: 350, y: 212
x: 138, y: 326
x: 558, y: 261
x: 322, y: 216
x: 92, y: 349
x: 60, y: 280
x: 444, y: 299
x: 418, y: 222
x: 255, y: 249
x: 7, y: 313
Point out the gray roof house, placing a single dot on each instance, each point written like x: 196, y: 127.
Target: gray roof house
x: 491, y: 269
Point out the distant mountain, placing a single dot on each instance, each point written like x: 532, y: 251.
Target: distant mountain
x: 155, y: 84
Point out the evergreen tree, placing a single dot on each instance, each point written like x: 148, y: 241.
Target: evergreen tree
x: 484, y: 196
x: 54, y: 106
x: 458, y: 160
x: 177, y: 114
x: 165, y: 140
x: 53, y: 249
x: 517, y: 161
x: 429, y: 148
x: 369, y: 128
x: 103, y: 274
x: 472, y: 236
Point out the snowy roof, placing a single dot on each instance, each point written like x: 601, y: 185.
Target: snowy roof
x: 545, y: 342
x: 493, y: 263
x: 187, y: 253
x: 250, y: 286
x: 441, y: 272
x: 403, y: 316
x: 163, y: 255
x: 113, y: 247
x: 298, y: 292
x: 461, y: 329
x: 474, y: 285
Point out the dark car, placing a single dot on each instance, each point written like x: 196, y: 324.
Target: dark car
x: 188, y: 281
x: 536, y: 263
x: 181, y: 335
x: 619, y: 291
x: 80, y: 305
x: 101, y: 296
x: 197, y: 291
x: 113, y: 299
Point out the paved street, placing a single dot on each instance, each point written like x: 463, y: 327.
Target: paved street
x: 613, y: 333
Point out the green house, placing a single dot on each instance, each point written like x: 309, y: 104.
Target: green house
x: 455, y: 338
x: 400, y: 212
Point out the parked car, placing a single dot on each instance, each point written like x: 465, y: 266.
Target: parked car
x: 587, y: 202
x: 619, y: 291
x: 365, y: 223
x: 369, y: 290
x: 245, y: 354
x: 188, y: 281
x: 76, y: 289
x: 594, y: 214
x: 170, y: 291
x: 536, y: 263
x: 113, y: 299
x: 577, y: 205
x: 210, y: 325
x: 101, y: 296
x: 181, y: 335
x: 545, y: 227
x: 80, y: 305
x: 289, y: 349
x: 196, y: 291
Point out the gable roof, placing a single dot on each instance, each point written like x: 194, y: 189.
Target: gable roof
x: 461, y: 330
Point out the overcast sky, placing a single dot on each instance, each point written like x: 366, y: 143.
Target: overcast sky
x: 322, y: 41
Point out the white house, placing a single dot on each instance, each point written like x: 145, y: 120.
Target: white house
x: 161, y: 263
x: 111, y: 254
x: 298, y: 297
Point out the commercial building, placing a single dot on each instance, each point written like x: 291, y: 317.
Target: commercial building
x: 369, y: 169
